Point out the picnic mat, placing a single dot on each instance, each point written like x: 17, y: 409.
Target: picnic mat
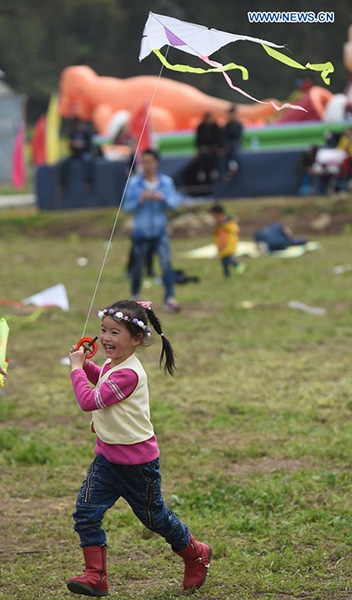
x: 250, y: 249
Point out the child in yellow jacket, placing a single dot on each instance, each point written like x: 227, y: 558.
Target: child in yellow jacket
x: 226, y: 234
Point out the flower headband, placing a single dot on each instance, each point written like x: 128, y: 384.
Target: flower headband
x: 121, y: 316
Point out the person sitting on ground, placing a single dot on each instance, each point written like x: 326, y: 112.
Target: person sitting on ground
x: 226, y: 235
x: 276, y: 236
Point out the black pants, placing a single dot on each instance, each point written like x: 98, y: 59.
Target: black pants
x: 88, y: 165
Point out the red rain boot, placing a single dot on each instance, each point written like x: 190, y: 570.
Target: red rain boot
x: 94, y: 581
x: 196, y: 557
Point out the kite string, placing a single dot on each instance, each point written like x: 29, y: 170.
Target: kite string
x: 108, y: 246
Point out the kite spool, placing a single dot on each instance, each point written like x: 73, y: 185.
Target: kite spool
x: 90, y: 346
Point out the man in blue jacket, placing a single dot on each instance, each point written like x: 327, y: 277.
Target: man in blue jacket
x: 149, y: 195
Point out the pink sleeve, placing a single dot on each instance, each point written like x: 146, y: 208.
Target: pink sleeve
x: 118, y: 387
x: 92, y: 371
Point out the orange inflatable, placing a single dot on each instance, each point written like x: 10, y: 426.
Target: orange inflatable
x: 176, y: 105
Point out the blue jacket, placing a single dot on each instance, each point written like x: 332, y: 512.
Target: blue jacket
x: 150, y: 219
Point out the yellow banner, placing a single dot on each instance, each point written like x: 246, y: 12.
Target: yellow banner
x: 52, y: 134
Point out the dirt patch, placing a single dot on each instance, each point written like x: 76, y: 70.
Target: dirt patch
x: 18, y: 517
x: 333, y: 215
x: 303, y: 222
x: 270, y: 465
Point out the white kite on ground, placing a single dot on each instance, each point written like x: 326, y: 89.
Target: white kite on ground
x: 53, y: 296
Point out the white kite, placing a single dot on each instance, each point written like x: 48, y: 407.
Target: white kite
x: 201, y: 41
x: 53, y: 296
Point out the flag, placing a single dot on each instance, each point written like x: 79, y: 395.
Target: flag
x: 138, y: 121
x: 38, y: 145
x: 18, y: 167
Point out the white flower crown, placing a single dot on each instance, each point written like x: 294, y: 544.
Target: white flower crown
x: 110, y: 312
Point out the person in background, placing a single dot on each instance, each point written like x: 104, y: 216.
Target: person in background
x: 81, y: 150
x: 304, y: 170
x: 345, y: 143
x: 208, y: 142
x: 277, y: 236
x: 226, y: 236
x: 231, y: 140
x: 79, y: 140
x: 149, y: 196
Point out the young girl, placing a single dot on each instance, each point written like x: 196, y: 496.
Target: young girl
x: 127, y: 461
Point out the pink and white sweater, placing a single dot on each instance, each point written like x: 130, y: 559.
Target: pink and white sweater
x: 117, y: 388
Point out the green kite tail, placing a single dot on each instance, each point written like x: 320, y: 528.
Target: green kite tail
x: 199, y: 70
x: 34, y: 316
x: 324, y: 68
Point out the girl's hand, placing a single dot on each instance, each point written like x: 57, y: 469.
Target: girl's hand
x: 77, y: 358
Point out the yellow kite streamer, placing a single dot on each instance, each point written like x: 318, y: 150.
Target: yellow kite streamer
x: 199, y: 70
x: 325, y: 68
x: 4, y: 334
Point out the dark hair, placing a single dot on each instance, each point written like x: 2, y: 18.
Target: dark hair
x: 218, y: 209
x: 135, y: 311
x: 151, y: 152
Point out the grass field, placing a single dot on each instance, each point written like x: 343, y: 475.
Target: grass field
x: 255, y: 430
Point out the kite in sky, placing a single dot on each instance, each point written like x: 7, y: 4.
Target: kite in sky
x: 201, y: 41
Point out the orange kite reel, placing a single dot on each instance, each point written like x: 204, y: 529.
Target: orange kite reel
x: 90, y: 346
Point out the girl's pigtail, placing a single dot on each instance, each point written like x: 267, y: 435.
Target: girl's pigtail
x: 167, y: 353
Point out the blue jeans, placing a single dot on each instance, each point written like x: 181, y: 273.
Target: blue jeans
x: 140, y: 486
x: 160, y: 246
x: 226, y: 261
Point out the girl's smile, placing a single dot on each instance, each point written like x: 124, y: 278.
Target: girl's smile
x: 118, y: 343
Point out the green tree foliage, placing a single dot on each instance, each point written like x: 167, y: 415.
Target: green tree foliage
x: 38, y: 38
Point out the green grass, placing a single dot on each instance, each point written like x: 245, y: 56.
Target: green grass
x: 255, y: 430
x: 9, y: 190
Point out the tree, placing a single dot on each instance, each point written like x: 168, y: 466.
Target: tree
x: 39, y: 38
